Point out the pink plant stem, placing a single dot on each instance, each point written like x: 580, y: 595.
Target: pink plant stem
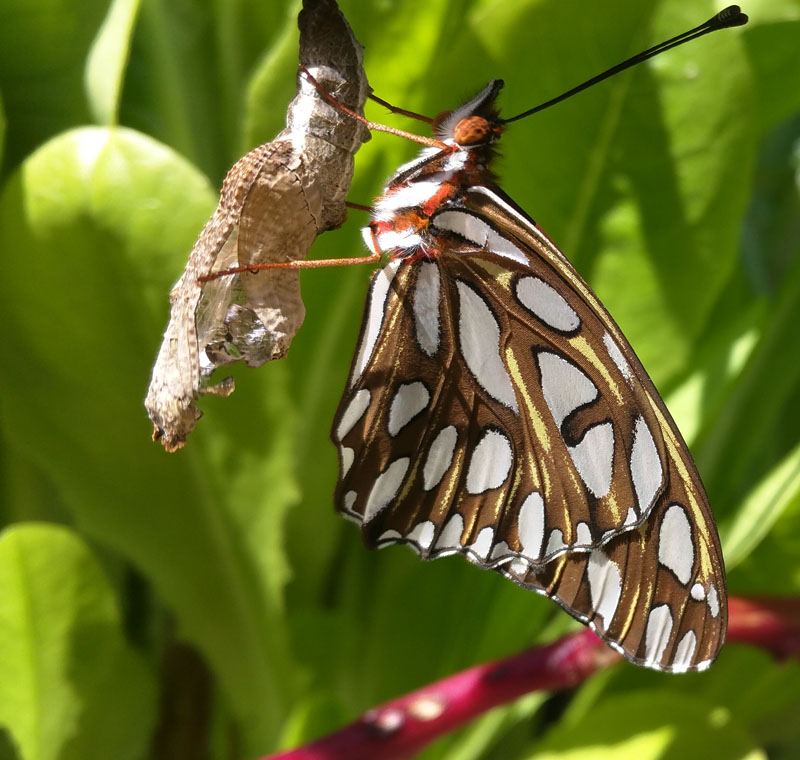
x: 771, y: 623
x: 401, y: 727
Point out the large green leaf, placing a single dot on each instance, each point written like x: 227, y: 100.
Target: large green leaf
x: 98, y: 217
x: 760, y: 712
x: 71, y: 686
x: 779, y: 492
x: 2, y: 130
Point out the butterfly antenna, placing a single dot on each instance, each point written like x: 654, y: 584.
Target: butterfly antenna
x: 729, y: 17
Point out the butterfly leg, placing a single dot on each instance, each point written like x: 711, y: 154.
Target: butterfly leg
x: 400, y: 111
x: 375, y: 126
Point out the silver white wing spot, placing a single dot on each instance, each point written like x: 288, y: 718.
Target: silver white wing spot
x: 713, y: 600
x: 490, y: 462
x: 593, y: 457
x: 386, y: 487
x: 657, y: 633
x: 646, y: 469
x: 408, y: 401
x: 530, y: 526
x: 479, y: 340
x: 564, y: 386
x: 426, y: 303
x: 374, y: 317
x: 675, y: 544
x: 483, y: 544
x: 518, y: 568
x: 605, y: 586
x: 347, y: 455
x: 684, y: 652
x: 422, y: 534
x: 449, y: 539
x: 501, y: 552
x: 583, y: 534
x: 555, y: 543
x: 355, y: 410
x: 474, y: 229
x: 615, y: 354
x: 440, y: 457
x: 547, y: 304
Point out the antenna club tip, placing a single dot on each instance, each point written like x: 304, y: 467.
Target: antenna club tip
x: 729, y: 17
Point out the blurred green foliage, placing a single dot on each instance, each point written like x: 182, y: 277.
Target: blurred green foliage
x: 673, y: 188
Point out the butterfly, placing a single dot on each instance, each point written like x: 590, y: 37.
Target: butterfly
x: 494, y: 409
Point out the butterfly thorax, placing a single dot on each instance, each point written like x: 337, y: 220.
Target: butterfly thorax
x: 404, y: 216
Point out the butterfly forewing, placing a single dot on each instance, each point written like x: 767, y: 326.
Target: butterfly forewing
x: 495, y: 409
x: 490, y: 411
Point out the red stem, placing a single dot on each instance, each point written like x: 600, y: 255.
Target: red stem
x: 401, y: 727
x: 771, y: 623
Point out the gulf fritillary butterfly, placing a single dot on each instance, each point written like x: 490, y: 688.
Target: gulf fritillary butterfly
x: 494, y: 409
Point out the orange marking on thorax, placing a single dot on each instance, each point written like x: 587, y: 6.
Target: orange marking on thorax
x: 447, y: 190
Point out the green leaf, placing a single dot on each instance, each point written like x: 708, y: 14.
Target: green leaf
x: 655, y: 724
x: 188, y: 72
x: 761, y: 711
x: 501, y: 732
x: 71, y: 686
x: 753, y: 430
x: 2, y: 131
x: 104, y: 218
x: 771, y: 567
x: 105, y: 66
x: 768, y: 706
x: 271, y: 87
x: 777, y: 493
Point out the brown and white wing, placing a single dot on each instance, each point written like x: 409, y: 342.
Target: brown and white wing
x: 494, y: 409
x: 653, y: 594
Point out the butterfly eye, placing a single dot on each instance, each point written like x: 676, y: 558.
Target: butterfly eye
x: 473, y: 130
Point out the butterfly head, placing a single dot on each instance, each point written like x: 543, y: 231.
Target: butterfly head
x: 475, y: 123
